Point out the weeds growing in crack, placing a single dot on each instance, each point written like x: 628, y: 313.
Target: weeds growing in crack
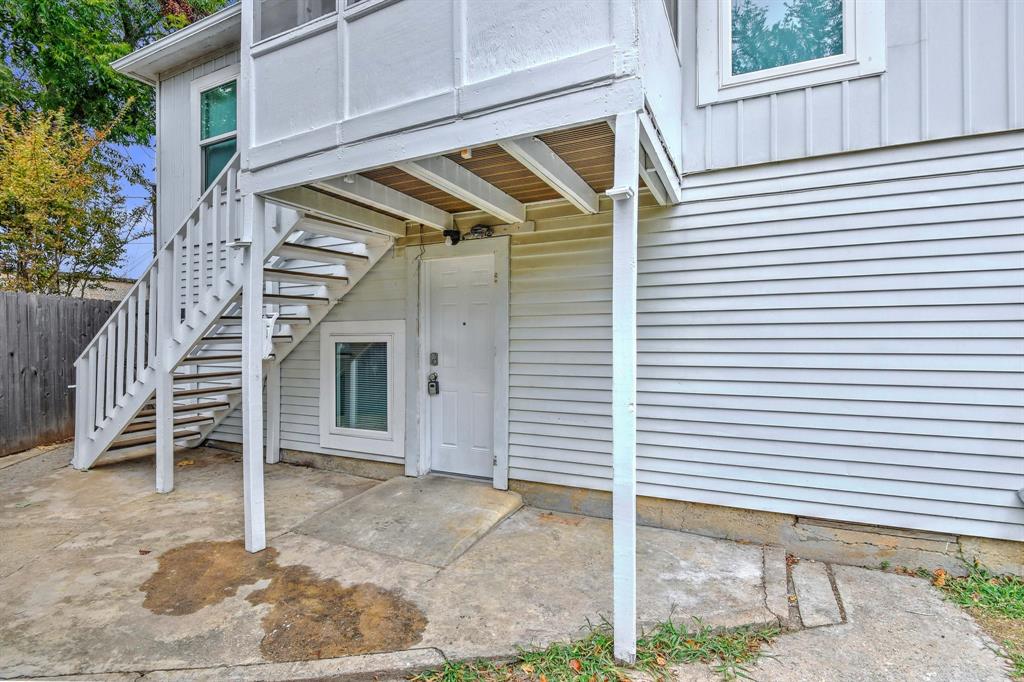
x: 591, y: 658
x: 996, y: 602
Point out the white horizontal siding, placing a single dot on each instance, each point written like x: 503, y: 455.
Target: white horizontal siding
x: 952, y: 68
x: 839, y: 338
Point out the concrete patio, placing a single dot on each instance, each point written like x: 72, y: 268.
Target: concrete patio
x: 99, y: 575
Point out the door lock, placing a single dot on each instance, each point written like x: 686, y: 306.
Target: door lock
x: 433, y: 385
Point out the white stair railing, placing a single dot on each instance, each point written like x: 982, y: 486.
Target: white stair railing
x: 113, y: 374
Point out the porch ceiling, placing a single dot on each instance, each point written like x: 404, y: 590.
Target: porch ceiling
x: 588, y: 150
x: 575, y: 164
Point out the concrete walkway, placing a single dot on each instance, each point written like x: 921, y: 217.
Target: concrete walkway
x: 99, y: 575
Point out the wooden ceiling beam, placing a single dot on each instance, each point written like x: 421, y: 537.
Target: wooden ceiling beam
x: 317, y: 202
x: 540, y: 160
x: 450, y: 177
x: 372, y: 193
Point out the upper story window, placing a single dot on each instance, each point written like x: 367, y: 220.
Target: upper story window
x: 277, y: 16
x: 755, y: 47
x: 218, y: 108
x: 771, y: 34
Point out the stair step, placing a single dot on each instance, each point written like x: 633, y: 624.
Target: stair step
x: 136, y: 427
x: 235, y: 338
x: 301, y: 277
x: 208, y: 390
x: 296, y: 299
x: 147, y: 440
x: 191, y: 407
x: 318, y: 254
x: 203, y: 376
x: 209, y: 358
x: 281, y: 319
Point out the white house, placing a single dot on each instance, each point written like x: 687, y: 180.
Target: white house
x: 721, y: 255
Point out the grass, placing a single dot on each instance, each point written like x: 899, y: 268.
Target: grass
x: 997, y: 603
x: 591, y: 659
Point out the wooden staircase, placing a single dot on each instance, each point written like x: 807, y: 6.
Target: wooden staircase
x: 193, y: 290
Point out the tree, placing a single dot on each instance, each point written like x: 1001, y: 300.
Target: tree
x: 64, y: 222
x: 57, y: 53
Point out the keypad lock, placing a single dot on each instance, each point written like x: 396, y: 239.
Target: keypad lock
x: 433, y: 385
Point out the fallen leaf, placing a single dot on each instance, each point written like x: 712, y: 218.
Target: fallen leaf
x: 185, y: 463
x: 527, y: 668
x: 543, y: 677
x: 575, y: 665
x: 939, y: 577
x: 22, y: 505
x: 144, y: 552
x: 660, y: 660
x: 691, y: 643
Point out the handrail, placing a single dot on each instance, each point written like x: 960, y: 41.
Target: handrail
x: 232, y: 165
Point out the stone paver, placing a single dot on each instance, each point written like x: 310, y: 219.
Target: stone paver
x: 898, y: 629
x: 815, y: 597
x: 429, y: 520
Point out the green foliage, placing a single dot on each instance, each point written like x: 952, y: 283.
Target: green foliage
x: 591, y: 659
x: 63, y: 219
x: 57, y: 54
x: 997, y: 602
x: 810, y: 29
x: 999, y: 595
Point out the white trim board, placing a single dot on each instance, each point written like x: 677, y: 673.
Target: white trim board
x: 392, y: 441
x: 417, y: 450
x: 196, y: 88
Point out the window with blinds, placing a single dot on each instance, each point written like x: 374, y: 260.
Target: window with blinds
x: 361, y: 385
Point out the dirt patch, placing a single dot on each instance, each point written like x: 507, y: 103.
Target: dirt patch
x: 313, y: 617
x: 309, y: 618
x: 548, y: 517
x: 203, y: 573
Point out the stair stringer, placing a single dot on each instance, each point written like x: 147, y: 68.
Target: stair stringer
x: 377, y: 246
x: 199, y: 319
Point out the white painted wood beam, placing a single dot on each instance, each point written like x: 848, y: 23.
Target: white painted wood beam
x: 658, y: 160
x: 166, y: 282
x: 549, y: 167
x: 450, y: 177
x: 306, y: 199
x: 624, y: 291
x: 649, y: 174
x: 382, y: 197
x: 254, y: 220
x: 274, y: 413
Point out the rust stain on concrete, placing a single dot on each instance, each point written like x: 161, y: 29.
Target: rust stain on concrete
x: 203, y: 573
x: 310, y: 617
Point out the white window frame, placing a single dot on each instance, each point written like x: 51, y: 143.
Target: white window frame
x: 198, y: 87
x: 863, y: 54
x: 355, y: 441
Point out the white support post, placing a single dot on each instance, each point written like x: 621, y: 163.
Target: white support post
x: 254, y: 220
x: 166, y: 310
x: 274, y: 412
x: 624, y: 269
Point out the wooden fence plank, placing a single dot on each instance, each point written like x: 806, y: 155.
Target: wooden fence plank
x: 40, y: 337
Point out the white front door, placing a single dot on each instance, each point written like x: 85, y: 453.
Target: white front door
x: 460, y: 350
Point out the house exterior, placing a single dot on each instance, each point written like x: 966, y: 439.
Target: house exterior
x: 699, y: 251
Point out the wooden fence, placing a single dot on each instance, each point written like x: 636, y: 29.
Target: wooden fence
x: 40, y: 337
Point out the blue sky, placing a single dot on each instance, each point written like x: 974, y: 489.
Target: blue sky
x: 138, y: 253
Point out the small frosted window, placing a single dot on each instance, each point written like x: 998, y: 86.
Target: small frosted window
x: 770, y: 33
x: 361, y: 385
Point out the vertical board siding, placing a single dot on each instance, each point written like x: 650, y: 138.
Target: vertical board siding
x: 40, y: 338
x: 952, y: 68
x: 177, y: 184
